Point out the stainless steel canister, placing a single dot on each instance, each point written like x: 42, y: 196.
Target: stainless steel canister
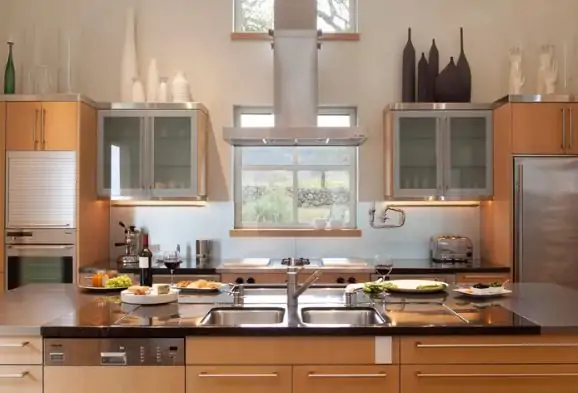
x: 203, y: 248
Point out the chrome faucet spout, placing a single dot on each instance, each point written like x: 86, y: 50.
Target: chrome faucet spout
x: 294, y: 290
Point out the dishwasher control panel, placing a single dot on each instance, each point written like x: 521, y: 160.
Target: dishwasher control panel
x: 114, y: 352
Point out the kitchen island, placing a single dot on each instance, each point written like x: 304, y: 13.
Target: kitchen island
x: 522, y: 343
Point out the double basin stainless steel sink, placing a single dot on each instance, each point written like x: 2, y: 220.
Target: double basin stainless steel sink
x: 319, y: 306
x: 317, y: 315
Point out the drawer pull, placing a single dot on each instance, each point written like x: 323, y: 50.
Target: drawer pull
x: 497, y: 375
x: 14, y: 376
x: 271, y: 375
x: 15, y: 345
x: 521, y: 345
x: 376, y: 375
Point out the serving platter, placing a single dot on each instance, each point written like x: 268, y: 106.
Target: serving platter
x: 483, y: 293
x: 101, y: 289
x: 413, y: 286
x: 150, y: 299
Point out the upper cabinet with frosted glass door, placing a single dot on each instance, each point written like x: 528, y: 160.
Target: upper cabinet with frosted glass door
x: 147, y: 153
x: 433, y: 154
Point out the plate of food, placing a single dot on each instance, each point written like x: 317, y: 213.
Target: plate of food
x: 143, y: 295
x: 199, y: 286
x: 106, y: 282
x: 484, y: 290
x: 404, y: 286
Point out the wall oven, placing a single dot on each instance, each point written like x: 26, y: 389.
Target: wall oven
x: 40, y: 256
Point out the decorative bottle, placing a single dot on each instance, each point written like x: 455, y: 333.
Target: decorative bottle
x: 10, y: 73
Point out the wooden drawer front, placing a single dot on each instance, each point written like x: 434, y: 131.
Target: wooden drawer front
x: 484, y: 379
x: 20, y: 350
x: 20, y: 379
x: 284, y: 350
x: 345, y: 379
x: 471, y: 278
x: 489, y: 350
x: 229, y: 379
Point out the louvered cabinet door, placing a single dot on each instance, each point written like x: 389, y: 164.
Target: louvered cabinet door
x: 41, y: 189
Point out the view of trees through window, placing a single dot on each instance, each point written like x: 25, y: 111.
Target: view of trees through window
x: 293, y: 186
x: 333, y: 16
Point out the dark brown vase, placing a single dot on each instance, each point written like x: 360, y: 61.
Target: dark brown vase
x: 423, y: 83
x: 448, y: 84
x: 408, y: 71
x: 433, y: 65
x: 464, y: 72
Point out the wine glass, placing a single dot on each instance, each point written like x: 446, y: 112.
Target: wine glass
x: 383, y: 265
x: 172, y: 260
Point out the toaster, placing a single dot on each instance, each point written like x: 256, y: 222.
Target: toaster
x: 449, y: 248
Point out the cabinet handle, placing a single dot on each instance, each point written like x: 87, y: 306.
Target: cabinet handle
x: 15, y: 345
x: 496, y: 375
x: 571, y: 144
x: 206, y: 375
x: 35, y: 128
x: 520, y: 345
x: 376, y: 375
x: 563, y: 146
x: 14, y: 376
x: 42, y: 129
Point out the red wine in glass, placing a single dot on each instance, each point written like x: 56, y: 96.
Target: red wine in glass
x: 172, y: 265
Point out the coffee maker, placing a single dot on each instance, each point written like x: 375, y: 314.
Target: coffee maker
x: 130, y: 244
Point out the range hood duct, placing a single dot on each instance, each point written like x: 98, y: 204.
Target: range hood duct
x: 295, y: 58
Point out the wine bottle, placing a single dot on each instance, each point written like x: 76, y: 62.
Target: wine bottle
x: 145, y: 263
x: 9, y: 73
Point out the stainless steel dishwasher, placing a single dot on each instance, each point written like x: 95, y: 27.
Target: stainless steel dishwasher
x: 114, y: 365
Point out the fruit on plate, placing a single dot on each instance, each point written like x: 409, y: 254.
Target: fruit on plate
x: 99, y: 280
x: 123, y: 281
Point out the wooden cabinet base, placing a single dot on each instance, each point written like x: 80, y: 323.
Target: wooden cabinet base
x: 238, y: 379
x: 345, y: 379
x: 486, y: 378
x: 20, y: 379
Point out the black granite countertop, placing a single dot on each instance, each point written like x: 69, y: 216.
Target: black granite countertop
x: 400, y: 266
x: 100, y: 315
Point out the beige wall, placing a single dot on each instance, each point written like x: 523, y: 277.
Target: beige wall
x: 194, y: 35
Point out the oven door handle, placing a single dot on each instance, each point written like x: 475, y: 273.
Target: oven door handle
x: 40, y: 247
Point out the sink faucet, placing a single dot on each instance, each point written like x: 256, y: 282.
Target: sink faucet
x: 294, y: 290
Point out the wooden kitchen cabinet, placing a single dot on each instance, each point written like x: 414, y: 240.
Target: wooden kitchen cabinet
x: 538, y: 128
x: 59, y: 126
x: 23, y: 125
x: 20, y: 350
x: 238, y: 379
x: 489, y: 378
x: 20, y: 379
x: 484, y: 278
x: 345, y: 379
x: 41, y: 126
x: 110, y: 379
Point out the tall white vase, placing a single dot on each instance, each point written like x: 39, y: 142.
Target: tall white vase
x: 152, y: 81
x: 129, y: 64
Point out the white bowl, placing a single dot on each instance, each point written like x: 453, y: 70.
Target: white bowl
x: 320, y: 223
x: 336, y: 224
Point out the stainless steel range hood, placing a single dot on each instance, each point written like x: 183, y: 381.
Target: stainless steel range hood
x: 295, y: 54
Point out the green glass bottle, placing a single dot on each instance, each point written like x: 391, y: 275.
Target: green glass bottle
x: 10, y: 73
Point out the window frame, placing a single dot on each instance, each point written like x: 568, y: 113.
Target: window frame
x: 238, y: 168
x: 353, y: 10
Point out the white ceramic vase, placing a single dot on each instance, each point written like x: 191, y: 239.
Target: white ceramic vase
x: 129, y: 65
x: 163, y: 92
x: 152, y: 81
x: 180, y: 89
x: 138, y: 91
x: 517, y: 78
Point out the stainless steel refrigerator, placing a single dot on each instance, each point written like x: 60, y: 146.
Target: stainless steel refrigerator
x: 546, y: 220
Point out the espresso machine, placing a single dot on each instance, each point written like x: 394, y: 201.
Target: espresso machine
x: 130, y: 244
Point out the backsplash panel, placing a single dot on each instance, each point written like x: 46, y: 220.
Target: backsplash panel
x: 169, y: 226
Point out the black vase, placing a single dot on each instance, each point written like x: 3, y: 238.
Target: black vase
x: 423, y: 80
x: 433, y: 66
x: 408, y: 71
x: 464, y: 72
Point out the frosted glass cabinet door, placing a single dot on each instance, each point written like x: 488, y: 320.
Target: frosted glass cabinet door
x: 469, y: 162
x: 174, y: 157
x: 417, y: 169
x: 121, y: 154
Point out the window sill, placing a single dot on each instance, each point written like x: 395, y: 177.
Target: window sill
x: 249, y: 36
x: 294, y: 232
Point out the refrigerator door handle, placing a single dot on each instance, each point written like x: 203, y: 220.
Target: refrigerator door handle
x: 519, y: 221
x: 563, y: 145
x: 571, y: 144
